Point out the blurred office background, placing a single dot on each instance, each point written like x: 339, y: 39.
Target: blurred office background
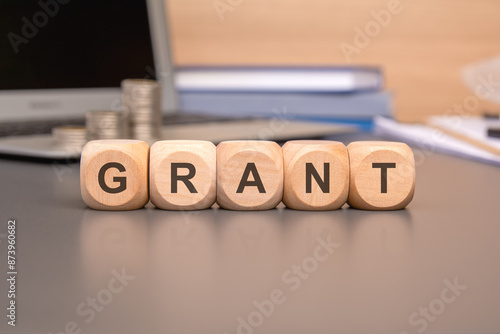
x: 422, y: 50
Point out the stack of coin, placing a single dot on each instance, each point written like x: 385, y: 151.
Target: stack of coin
x: 70, y: 137
x: 142, y: 105
x: 106, y: 124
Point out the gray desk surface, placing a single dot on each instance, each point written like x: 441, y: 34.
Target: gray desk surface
x: 199, y: 272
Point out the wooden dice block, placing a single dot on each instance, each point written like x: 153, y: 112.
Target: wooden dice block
x: 114, y: 174
x: 249, y: 175
x: 183, y: 174
x: 316, y: 174
x: 382, y: 175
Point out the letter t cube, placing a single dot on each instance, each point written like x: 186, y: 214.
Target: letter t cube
x: 382, y: 175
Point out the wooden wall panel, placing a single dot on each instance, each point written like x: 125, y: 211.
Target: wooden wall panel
x: 422, y: 49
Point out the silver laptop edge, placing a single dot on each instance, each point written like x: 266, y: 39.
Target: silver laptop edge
x: 161, y: 50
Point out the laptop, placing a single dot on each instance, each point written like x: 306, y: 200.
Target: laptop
x: 61, y: 59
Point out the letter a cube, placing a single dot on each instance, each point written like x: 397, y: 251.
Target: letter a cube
x: 249, y: 175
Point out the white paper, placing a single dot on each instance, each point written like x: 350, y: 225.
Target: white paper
x: 432, y: 139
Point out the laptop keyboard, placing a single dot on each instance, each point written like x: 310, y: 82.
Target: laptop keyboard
x: 45, y: 126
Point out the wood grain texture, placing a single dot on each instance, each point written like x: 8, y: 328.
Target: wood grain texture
x: 170, y: 157
x: 328, y: 157
x: 422, y: 49
x: 367, y: 189
x: 259, y: 159
x: 125, y: 189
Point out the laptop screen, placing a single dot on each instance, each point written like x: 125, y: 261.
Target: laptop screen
x: 52, y: 44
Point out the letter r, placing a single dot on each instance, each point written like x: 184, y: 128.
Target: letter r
x: 175, y: 177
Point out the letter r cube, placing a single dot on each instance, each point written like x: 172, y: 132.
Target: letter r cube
x: 382, y: 175
x: 182, y: 174
x: 114, y: 174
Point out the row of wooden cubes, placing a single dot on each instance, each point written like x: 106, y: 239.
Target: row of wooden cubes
x: 247, y: 175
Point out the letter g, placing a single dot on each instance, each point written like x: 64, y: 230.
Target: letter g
x: 121, y: 180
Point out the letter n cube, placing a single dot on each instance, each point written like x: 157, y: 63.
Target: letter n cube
x: 316, y: 174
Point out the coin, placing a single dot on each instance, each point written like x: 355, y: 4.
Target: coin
x: 106, y: 124
x: 71, y: 137
x: 142, y: 105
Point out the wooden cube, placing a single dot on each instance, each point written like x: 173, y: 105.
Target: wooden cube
x: 114, y: 174
x: 382, y: 175
x: 316, y: 174
x: 183, y: 174
x: 249, y: 175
